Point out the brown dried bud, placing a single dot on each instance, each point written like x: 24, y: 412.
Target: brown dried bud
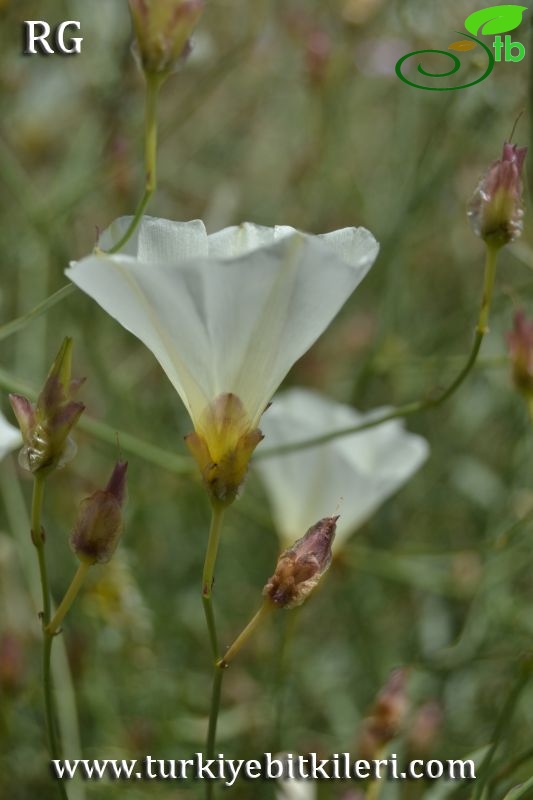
x: 98, y: 528
x: 162, y: 31
x: 45, y: 426
x: 301, y: 566
x: 386, y: 716
x: 495, y: 211
x: 520, y: 347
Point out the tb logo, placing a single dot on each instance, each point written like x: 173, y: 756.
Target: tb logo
x: 35, y: 38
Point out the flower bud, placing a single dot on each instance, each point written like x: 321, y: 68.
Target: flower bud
x: 496, y: 211
x: 301, y: 566
x: 386, y: 716
x: 520, y: 347
x: 45, y: 425
x: 162, y: 30
x: 97, y: 531
x: 424, y: 729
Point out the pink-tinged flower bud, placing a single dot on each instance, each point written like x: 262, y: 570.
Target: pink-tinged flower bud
x: 425, y: 729
x: 301, y: 566
x: 162, y: 30
x: 386, y: 716
x: 97, y: 531
x: 45, y: 425
x: 495, y: 211
x: 520, y: 347
x: 318, y: 50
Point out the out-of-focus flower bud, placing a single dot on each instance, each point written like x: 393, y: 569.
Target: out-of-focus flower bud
x: 162, y: 30
x: 386, y: 716
x: 496, y: 211
x: 318, y: 48
x: 97, y: 531
x: 11, y: 662
x: 301, y: 566
x: 520, y: 346
x: 424, y: 729
x: 45, y: 426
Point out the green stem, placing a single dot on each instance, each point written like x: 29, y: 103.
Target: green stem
x: 66, y: 603
x: 153, y: 85
x: 37, y: 535
x: 217, y: 516
x: 419, y: 405
x: 488, y: 286
x: 213, y: 720
x: 17, y: 324
x: 245, y: 634
x: 499, y: 730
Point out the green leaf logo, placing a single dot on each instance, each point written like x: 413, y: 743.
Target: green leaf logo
x: 493, y: 20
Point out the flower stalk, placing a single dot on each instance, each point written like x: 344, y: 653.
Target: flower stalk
x: 208, y: 575
x: 72, y: 592
x: 153, y: 85
x: 37, y: 536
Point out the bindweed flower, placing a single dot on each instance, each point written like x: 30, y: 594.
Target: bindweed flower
x: 301, y: 566
x: 496, y: 211
x: 45, y: 426
x: 358, y: 471
x: 162, y: 30
x: 386, y: 717
x: 520, y: 347
x: 10, y: 437
x: 97, y: 531
x: 226, y: 315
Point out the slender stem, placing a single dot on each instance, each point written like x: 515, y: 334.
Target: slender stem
x: 245, y: 634
x: 37, y: 536
x: 419, y: 405
x: 488, y: 286
x: 213, y: 720
x: 17, y: 324
x: 217, y: 516
x: 501, y: 725
x: 70, y: 596
x: 153, y: 85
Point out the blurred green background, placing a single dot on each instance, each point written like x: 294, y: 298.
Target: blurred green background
x: 287, y: 112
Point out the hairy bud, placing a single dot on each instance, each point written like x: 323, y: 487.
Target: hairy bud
x: 45, y: 425
x: 496, y: 211
x: 386, y: 716
x: 98, y: 528
x: 162, y: 31
x: 301, y: 566
x: 520, y: 347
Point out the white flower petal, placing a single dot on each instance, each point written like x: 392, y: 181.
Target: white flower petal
x: 158, y: 240
x: 351, y: 475
x: 226, y: 324
x: 10, y: 437
x: 241, y: 239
